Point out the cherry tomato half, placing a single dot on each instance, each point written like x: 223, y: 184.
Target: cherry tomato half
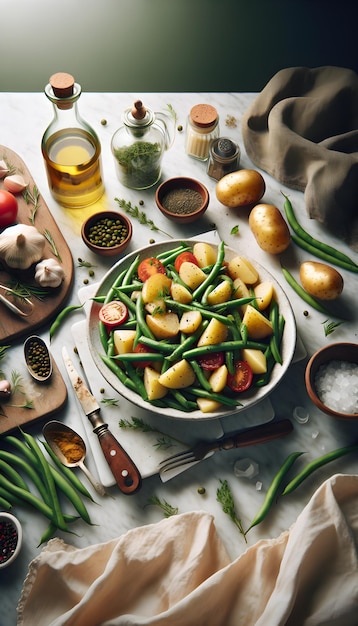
x: 211, y: 361
x: 242, y: 377
x: 148, y: 267
x: 183, y: 257
x: 113, y: 314
x: 139, y: 349
x: 8, y: 208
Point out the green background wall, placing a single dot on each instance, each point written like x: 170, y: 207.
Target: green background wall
x: 170, y: 45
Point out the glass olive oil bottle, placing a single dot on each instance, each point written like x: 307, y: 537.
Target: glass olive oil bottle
x: 71, y: 148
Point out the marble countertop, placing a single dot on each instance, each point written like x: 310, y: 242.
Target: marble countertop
x: 23, y: 120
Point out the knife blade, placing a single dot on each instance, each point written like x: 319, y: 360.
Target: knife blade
x: 124, y: 470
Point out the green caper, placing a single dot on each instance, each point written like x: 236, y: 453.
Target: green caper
x: 107, y: 233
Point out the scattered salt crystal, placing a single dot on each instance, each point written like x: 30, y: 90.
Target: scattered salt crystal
x: 245, y: 468
x: 258, y: 485
x: 336, y: 385
x: 315, y: 434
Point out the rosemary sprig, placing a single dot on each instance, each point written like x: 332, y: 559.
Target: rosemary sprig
x: 110, y: 401
x: 51, y: 241
x: 27, y: 404
x: 134, y: 212
x: 330, y: 327
x: 172, y: 112
x: 225, y: 497
x: 82, y: 263
x: 26, y: 291
x: 32, y: 198
x: 16, y: 382
x: 11, y: 168
x: 167, y: 508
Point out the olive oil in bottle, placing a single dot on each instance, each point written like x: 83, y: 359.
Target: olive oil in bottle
x: 71, y: 148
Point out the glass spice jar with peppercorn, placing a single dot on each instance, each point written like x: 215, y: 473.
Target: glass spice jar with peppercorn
x: 224, y: 157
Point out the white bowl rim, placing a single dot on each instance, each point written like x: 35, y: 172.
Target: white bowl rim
x: 9, y: 516
x: 288, y: 344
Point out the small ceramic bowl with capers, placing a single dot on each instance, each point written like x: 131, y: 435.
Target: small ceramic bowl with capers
x: 107, y: 233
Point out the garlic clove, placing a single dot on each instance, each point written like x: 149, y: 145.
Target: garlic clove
x: 5, y: 389
x: 49, y: 273
x: 4, y: 170
x: 15, y: 183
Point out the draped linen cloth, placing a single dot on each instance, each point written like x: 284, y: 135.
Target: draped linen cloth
x: 302, y: 129
x: 177, y: 573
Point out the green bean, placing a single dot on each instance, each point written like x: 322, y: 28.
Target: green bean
x: 70, y: 493
x: 127, y: 357
x: 119, y: 372
x: 206, y: 313
x: 187, y: 343
x: 168, y: 257
x: 270, y: 361
x: 13, y: 475
x: 4, y: 504
x: 128, y: 276
x: 199, y: 373
x: 218, y: 397
x: 61, y: 316
x: 141, y: 320
x: 67, y: 472
x: 138, y: 382
x: 162, y: 346
x: 118, y: 281
x: 275, y: 338
x: 48, y: 478
x: 302, y: 293
x: 9, y: 457
x: 30, y: 498
x: 197, y: 293
x: 309, y: 243
x: 315, y: 464
x: 194, y: 353
x: 273, y: 490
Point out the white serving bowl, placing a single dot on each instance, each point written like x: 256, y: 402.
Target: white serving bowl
x: 248, y: 398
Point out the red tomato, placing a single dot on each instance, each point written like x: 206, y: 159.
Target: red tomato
x: 8, y: 208
x: 113, y: 314
x: 211, y: 361
x: 241, y: 379
x: 183, y: 257
x: 148, y: 267
x: 140, y: 348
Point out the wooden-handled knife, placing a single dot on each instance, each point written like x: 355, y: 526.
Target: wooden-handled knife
x: 124, y: 470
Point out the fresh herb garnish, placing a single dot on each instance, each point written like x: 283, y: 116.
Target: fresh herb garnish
x: 235, y: 230
x: 330, y: 327
x: 51, y: 241
x: 110, y: 401
x: 225, y: 497
x: 32, y: 198
x: 134, y: 212
x: 167, y: 508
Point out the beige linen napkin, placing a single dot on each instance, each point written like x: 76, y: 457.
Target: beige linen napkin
x: 303, y: 130
x: 177, y: 573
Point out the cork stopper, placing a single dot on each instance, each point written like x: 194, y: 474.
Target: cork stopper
x: 62, y: 84
x: 138, y: 110
x: 203, y: 115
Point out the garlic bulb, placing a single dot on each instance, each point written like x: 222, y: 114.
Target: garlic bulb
x: 15, y: 183
x: 48, y: 273
x: 21, y: 246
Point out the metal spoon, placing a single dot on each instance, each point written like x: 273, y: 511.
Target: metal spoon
x: 53, y: 432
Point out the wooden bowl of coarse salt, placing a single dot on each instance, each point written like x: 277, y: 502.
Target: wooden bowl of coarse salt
x: 332, y: 380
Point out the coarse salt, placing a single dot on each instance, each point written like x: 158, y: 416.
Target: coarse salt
x: 336, y: 385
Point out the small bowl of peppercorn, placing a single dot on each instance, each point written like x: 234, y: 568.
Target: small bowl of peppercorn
x: 10, y: 538
x: 107, y: 233
x: 182, y: 200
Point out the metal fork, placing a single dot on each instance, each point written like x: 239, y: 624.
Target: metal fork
x: 250, y: 436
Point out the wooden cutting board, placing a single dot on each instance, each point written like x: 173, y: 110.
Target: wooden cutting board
x: 11, y: 325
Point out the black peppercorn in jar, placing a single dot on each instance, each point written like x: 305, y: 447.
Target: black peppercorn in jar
x: 224, y: 157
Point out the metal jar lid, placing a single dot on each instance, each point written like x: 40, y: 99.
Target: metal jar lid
x: 224, y: 149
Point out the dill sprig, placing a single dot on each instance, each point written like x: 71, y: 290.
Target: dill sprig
x: 167, y: 508
x: 141, y: 216
x: 32, y: 197
x: 225, y: 497
x: 51, y: 241
x: 330, y: 327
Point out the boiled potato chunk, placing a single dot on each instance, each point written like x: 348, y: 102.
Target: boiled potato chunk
x: 221, y: 293
x: 154, y: 389
x: 218, y: 378
x: 256, y: 359
x: 215, y: 332
x: 179, y: 293
x: 239, y: 267
x: 163, y: 325
x: 190, y: 322
x: 320, y: 280
x: 178, y: 376
x: 240, y: 188
x: 123, y: 341
x: 208, y: 406
x: 258, y: 326
x: 204, y: 254
x: 264, y: 294
x: 156, y: 306
x: 269, y: 228
x: 155, y: 287
x: 191, y: 274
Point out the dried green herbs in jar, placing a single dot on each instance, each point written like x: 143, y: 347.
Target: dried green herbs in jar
x: 139, y: 165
